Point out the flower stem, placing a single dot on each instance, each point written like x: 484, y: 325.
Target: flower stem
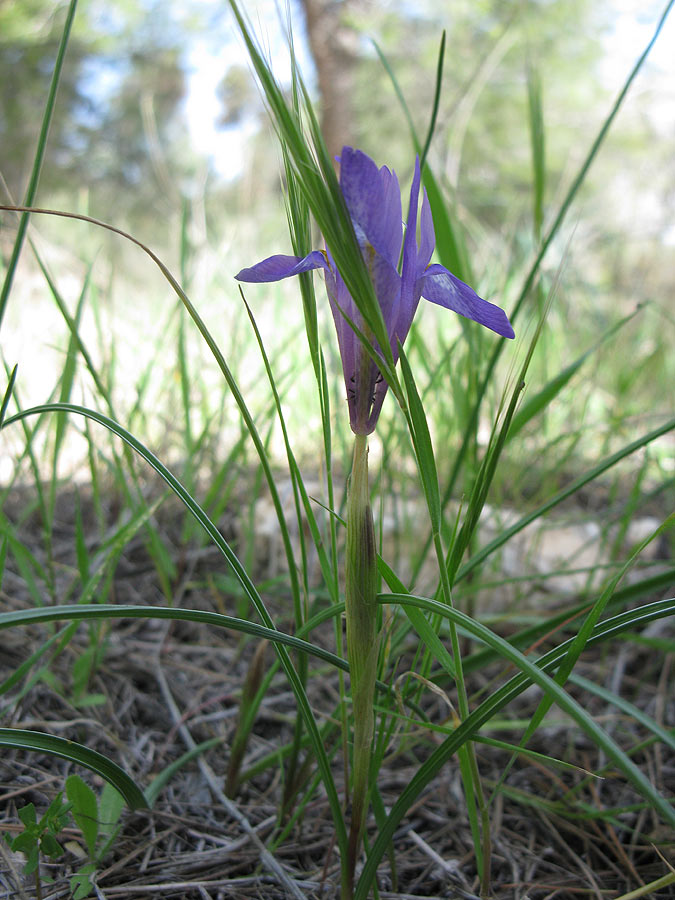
x: 361, y: 581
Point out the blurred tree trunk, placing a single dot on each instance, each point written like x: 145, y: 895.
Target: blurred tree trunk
x: 332, y: 42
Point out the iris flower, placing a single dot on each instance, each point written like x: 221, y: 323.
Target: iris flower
x: 373, y: 200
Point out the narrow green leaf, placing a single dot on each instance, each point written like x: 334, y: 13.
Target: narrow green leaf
x: 629, y: 709
x: 449, y: 237
x: 8, y: 395
x: 546, y: 243
x: 648, y: 890
x: 532, y: 406
x: 431, y: 639
x: 31, y: 190
x: 527, y: 637
x: 22, y: 670
x: 21, y: 739
x: 584, y: 633
x: 159, y: 782
x: 531, y: 673
x: 27, y: 563
x: 580, y: 641
x: 113, y: 547
x: 68, y: 375
x: 3, y: 560
x: 81, y: 551
x: 87, y: 612
x: 538, y: 145
x: 424, y: 453
x: 607, y: 463
x: 436, y: 102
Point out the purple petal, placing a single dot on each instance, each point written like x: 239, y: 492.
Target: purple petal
x: 409, y: 269
x: 340, y: 299
x: 444, y: 288
x: 387, y: 284
x: 380, y: 392
x: 373, y: 200
x: 274, y: 268
x: 364, y: 384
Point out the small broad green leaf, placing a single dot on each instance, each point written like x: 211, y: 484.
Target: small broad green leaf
x: 57, y: 815
x: 84, y: 810
x: 24, y: 842
x: 110, y: 806
x: 81, y: 884
x: 27, y: 814
x: 50, y: 846
x: 32, y: 859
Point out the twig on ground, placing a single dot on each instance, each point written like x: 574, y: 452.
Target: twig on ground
x: 266, y: 858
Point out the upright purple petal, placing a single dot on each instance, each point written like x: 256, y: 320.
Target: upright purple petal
x: 408, y: 300
x: 387, y: 285
x: 274, y: 268
x: 442, y: 287
x: 409, y: 273
x: 373, y: 200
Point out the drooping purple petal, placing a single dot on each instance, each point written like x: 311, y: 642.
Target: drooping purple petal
x: 340, y: 301
x: 442, y: 287
x: 274, y: 268
x: 373, y: 200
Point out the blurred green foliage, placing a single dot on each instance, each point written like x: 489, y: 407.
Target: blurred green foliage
x: 121, y: 148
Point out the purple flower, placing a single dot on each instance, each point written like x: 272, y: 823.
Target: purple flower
x: 373, y: 200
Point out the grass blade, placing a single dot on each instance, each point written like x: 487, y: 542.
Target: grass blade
x: 537, y: 142
x: 31, y: 190
x: 563, y: 494
x: 20, y: 739
x: 440, y: 756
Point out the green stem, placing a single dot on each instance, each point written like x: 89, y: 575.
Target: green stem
x: 361, y: 582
